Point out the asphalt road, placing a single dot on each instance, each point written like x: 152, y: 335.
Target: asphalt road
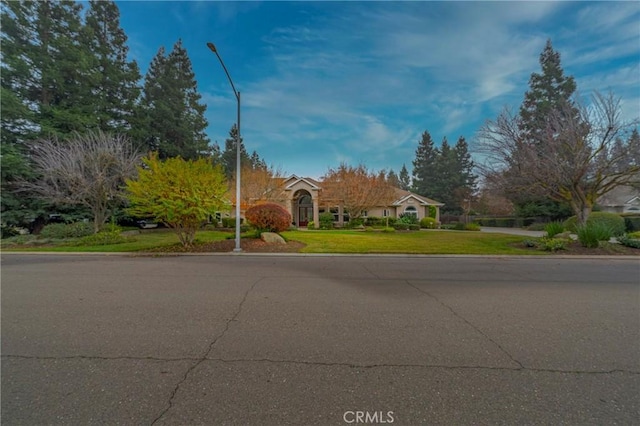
x: 293, y: 340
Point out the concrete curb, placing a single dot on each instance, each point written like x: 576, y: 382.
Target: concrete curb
x: 396, y: 255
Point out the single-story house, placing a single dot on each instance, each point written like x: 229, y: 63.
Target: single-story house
x: 302, y: 197
x: 623, y: 199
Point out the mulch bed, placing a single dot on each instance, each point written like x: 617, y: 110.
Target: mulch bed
x: 575, y: 248
x: 248, y: 245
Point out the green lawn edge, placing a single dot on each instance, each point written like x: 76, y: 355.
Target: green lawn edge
x: 432, y: 242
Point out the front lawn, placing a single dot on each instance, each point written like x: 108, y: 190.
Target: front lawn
x: 334, y: 241
x: 421, y: 242
x: 146, y: 240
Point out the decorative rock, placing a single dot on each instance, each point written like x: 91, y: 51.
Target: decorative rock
x: 272, y: 238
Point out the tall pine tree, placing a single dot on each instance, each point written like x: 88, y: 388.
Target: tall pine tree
x: 174, y: 117
x: 549, y: 91
x: 229, y: 154
x: 115, y: 80
x: 424, y: 165
x: 405, y: 179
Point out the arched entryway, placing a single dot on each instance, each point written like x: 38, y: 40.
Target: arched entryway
x: 303, y: 208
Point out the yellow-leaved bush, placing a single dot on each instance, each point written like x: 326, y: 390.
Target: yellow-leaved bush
x: 179, y: 193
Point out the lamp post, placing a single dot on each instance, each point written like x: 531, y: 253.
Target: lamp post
x: 212, y: 47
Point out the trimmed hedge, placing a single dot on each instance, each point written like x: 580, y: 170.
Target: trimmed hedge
x: 67, y: 230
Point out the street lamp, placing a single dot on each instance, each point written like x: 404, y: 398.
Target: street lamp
x: 212, y: 47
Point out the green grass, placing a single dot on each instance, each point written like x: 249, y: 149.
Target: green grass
x: 431, y: 242
x: 335, y: 241
x: 146, y: 240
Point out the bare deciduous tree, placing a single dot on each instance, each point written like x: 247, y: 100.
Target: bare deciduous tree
x: 86, y: 169
x: 357, y: 188
x: 575, y: 157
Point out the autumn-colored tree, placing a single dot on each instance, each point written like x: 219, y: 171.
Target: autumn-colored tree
x: 179, y: 193
x: 257, y: 184
x: 357, y: 188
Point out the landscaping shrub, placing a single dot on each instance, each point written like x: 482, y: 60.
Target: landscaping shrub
x: 538, y: 226
x: 67, y: 230
x: 553, y: 229
x: 355, y: 223
x: 591, y: 234
x: 471, y: 227
x: 228, y: 222
x: 103, y: 238
x: 458, y: 226
x: 613, y: 221
x: 552, y: 244
x: 428, y: 222
x: 326, y: 220
x: 628, y: 241
x: 375, y: 221
x: 399, y: 226
x: 631, y: 222
x: 269, y: 217
x: 310, y: 225
x: 409, y: 219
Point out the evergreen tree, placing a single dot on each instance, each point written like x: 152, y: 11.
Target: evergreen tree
x: 464, y: 165
x: 115, y: 90
x: 174, y: 118
x: 393, y: 179
x: 62, y: 70
x: 229, y: 154
x: 257, y: 163
x: 424, y: 166
x: 445, y: 179
x: 405, y: 179
x: 549, y: 92
x: 44, y: 91
x: 45, y: 66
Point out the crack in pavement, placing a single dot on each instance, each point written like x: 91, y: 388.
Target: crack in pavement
x: 101, y: 358
x: 207, y: 352
x: 456, y: 314
x: 326, y: 364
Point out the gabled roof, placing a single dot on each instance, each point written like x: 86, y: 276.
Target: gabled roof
x: 634, y: 200
x: 293, y: 179
x: 403, y: 196
x: 619, y: 196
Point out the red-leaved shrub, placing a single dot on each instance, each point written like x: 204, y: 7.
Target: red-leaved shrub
x: 269, y: 217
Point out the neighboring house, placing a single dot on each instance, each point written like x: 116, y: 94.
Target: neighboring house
x: 302, y: 197
x: 623, y: 199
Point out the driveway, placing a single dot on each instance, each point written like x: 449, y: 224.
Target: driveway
x: 326, y: 340
x: 513, y: 231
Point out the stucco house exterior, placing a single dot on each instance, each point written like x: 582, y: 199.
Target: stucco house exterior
x: 302, y: 198
x: 623, y: 199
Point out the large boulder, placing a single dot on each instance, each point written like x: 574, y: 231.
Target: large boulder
x: 272, y: 238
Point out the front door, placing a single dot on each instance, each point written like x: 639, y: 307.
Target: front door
x: 304, y: 213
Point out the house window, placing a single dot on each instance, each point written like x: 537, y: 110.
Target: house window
x: 411, y: 210
x: 364, y: 213
x: 385, y: 213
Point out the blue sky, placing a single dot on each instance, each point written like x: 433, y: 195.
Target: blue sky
x: 326, y: 82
